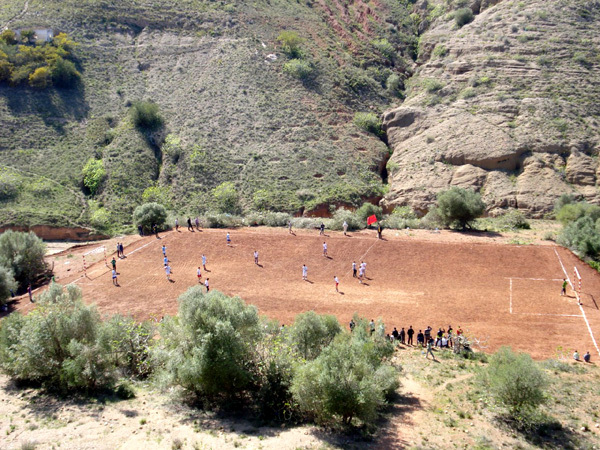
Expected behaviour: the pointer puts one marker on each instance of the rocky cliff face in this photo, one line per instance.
(506, 105)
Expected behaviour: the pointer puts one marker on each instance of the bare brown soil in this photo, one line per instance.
(499, 294)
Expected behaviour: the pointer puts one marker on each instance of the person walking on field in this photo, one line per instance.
(354, 269)
(337, 283)
(430, 349)
(228, 238)
(206, 285)
(563, 291)
(189, 222)
(361, 274)
(165, 261)
(345, 226)
(204, 262)
(114, 264)
(176, 224)
(199, 274)
(304, 272)
(168, 272)
(256, 257)
(290, 227)
(325, 249)
(197, 221)
(30, 293)
(164, 250)
(118, 250)
(379, 232)
(114, 277)
(121, 250)
(410, 334)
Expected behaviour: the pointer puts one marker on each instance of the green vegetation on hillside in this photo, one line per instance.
(39, 64)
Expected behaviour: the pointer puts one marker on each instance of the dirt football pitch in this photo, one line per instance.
(499, 294)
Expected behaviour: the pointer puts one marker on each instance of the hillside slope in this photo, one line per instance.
(231, 112)
(506, 105)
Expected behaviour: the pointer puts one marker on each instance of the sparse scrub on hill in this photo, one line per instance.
(299, 69)
(146, 116)
(23, 253)
(384, 47)
(459, 207)
(227, 198)
(158, 194)
(150, 214)
(463, 16)
(516, 383)
(93, 175)
(343, 215)
(290, 43)
(368, 122)
(394, 85)
(7, 284)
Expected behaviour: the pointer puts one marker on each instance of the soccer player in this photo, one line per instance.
(256, 257)
(206, 285)
(337, 283)
(563, 291)
(228, 238)
(199, 274)
(325, 249)
(164, 250)
(354, 269)
(204, 262)
(114, 277)
(168, 272)
(304, 272)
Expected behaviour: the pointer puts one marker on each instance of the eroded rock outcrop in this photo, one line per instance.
(505, 106)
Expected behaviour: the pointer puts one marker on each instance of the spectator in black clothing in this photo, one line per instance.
(189, 221)
(402, 335)
(420, 338)
(395, 334)
(438, 341)
(410, 333)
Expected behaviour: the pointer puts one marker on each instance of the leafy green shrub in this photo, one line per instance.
(513, 220)
(440, 51)
(385, 48)
(581, 236)
(515, 382)
(310, 333)
(299, 69)
(128, 345)
(23, 253)
(64, 73)
(8, 37)
(582, 59)
(9, 189)
(468, 93)
(346, 381)
(290, 43)
(343, 215)
(368, 122)
(564, 199)
(207, 348)
(463, 16)
(222, 221)
(93, 174)
(573, 211)
(101, 219)
(366, 210)
(274, 219)
(432, 219)
(394, 85)
(150, 214)
(157, 194)
(146, 116)
(7, 284)
(40, 78)
(459, 207)
(55, 344)
(432, 85)
(227, 198)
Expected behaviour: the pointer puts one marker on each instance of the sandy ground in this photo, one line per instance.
(499, 293)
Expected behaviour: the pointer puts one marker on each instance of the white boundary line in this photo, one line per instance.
(579, 302)
(535, 279)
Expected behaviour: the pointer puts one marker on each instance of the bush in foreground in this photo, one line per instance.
(368, 122)
(347, 381)
(7, 284)
(146, 116)
(463, 16)
(56, 343)
(516, 383)
(23, 253)
(207, 347)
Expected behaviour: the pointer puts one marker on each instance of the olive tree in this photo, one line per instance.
(459, 207)
(7, 284)
(23, 253)
(150, 214)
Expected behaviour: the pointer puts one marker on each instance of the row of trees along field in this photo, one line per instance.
(218, 351)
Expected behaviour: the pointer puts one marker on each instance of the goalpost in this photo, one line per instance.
(99, 250)
(577, 284)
